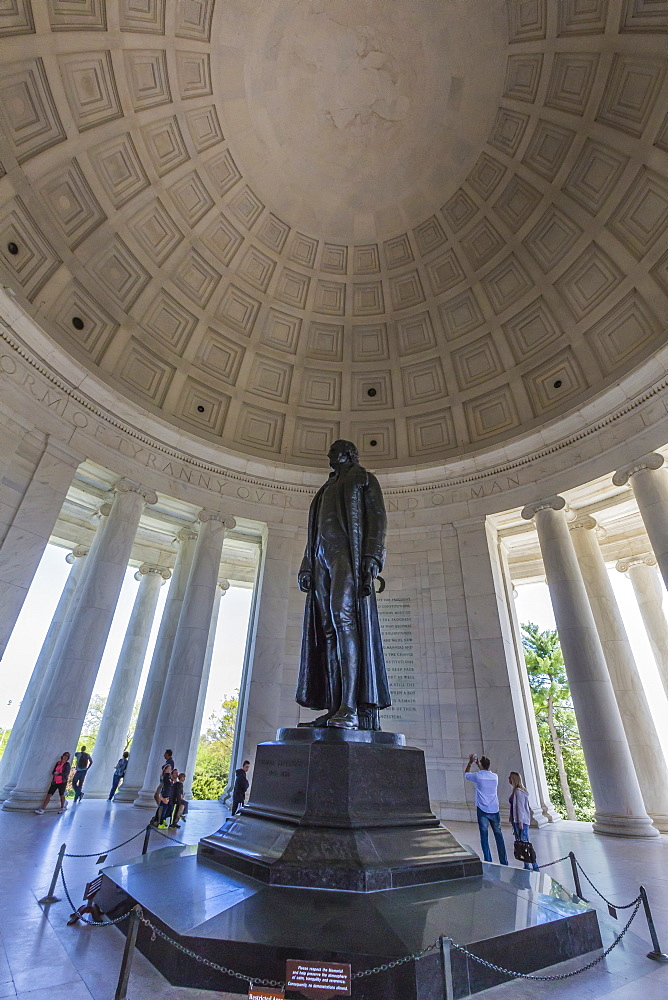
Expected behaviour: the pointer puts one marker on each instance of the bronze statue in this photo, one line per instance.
(342, 667)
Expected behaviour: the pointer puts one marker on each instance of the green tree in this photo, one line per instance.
(214, 753)
(565, 766)
(91, 725)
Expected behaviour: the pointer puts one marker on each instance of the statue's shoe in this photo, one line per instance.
(319, 723)
(344, 720)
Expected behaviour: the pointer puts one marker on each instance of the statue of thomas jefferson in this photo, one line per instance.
(342, 667)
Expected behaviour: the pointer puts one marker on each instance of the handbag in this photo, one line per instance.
(523, 851)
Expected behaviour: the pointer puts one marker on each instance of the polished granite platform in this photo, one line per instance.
(339, 809)
(507, 915)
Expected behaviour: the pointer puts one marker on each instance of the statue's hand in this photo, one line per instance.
(370, 567)
(304, 579)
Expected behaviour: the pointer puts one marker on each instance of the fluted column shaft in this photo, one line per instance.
(157, 674)
(649, 594)
(176, 716)
(15, 743)
(641, 734)
(61, 707)
(31, 527)
(223, 586)
(648, 479)
(110, 742)
(619, 805)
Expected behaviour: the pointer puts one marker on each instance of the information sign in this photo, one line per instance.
(322, 980)
(265, 993)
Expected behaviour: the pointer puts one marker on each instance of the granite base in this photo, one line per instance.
(522, 920)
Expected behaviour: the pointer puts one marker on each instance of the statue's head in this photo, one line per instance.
(342, 451)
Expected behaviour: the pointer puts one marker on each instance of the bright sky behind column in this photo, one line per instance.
(40, 605)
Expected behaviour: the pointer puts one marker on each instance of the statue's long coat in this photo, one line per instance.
(362, 515)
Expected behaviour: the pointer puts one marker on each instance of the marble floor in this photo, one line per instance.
(41, 958)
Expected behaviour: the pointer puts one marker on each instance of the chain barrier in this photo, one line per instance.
(548, 864)
(162, 833)
(98, 854)
(615, 906)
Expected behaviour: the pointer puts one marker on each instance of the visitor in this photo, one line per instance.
(182, 814)
(83, 762)
(168, 767)
(59, 776)
(119, 774)
(487, 806)
(166, 798)
(520, 814)
(177, 801)
(240, 786)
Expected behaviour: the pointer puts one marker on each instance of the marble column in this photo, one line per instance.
(61, 707)
(223, 587)
(649, 762)
(157, 674)
(259, 714)
(176, 716)
(20, 727)
(648, 478)
(649, 593)
(112, 736)
(30, 529)
(619, 806)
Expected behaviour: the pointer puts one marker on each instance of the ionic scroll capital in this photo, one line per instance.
(77, 553)
(147, 568)
(216, 515)
(129, 486)
(187, 534)
(624, 565)
(653, 462)
(224, 586)
(549, 503)
(583, 521)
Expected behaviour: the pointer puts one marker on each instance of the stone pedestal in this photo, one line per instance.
(337, 809)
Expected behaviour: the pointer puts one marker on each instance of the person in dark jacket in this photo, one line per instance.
(240, 786)
(119, 774)
(166, 798)
(83, 762)
(59, 776)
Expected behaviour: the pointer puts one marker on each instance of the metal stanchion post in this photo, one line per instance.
(147, 836)
(576, 875)
(129, 950)
(446, 958)
(50, 898)
(656, 954)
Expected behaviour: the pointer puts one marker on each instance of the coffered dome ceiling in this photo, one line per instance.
(425, 225)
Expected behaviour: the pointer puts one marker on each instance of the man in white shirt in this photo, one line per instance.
(487, 806)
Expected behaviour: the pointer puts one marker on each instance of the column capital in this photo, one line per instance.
(186, 534)
(624, 565)
(549, 503)
(217, 515)
(146, 568)
(129, 486)
(77, 553)
(224, 586)
(585, 521)
(653, 462)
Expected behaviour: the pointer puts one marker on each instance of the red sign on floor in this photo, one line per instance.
(265, 993)
(322, 980)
